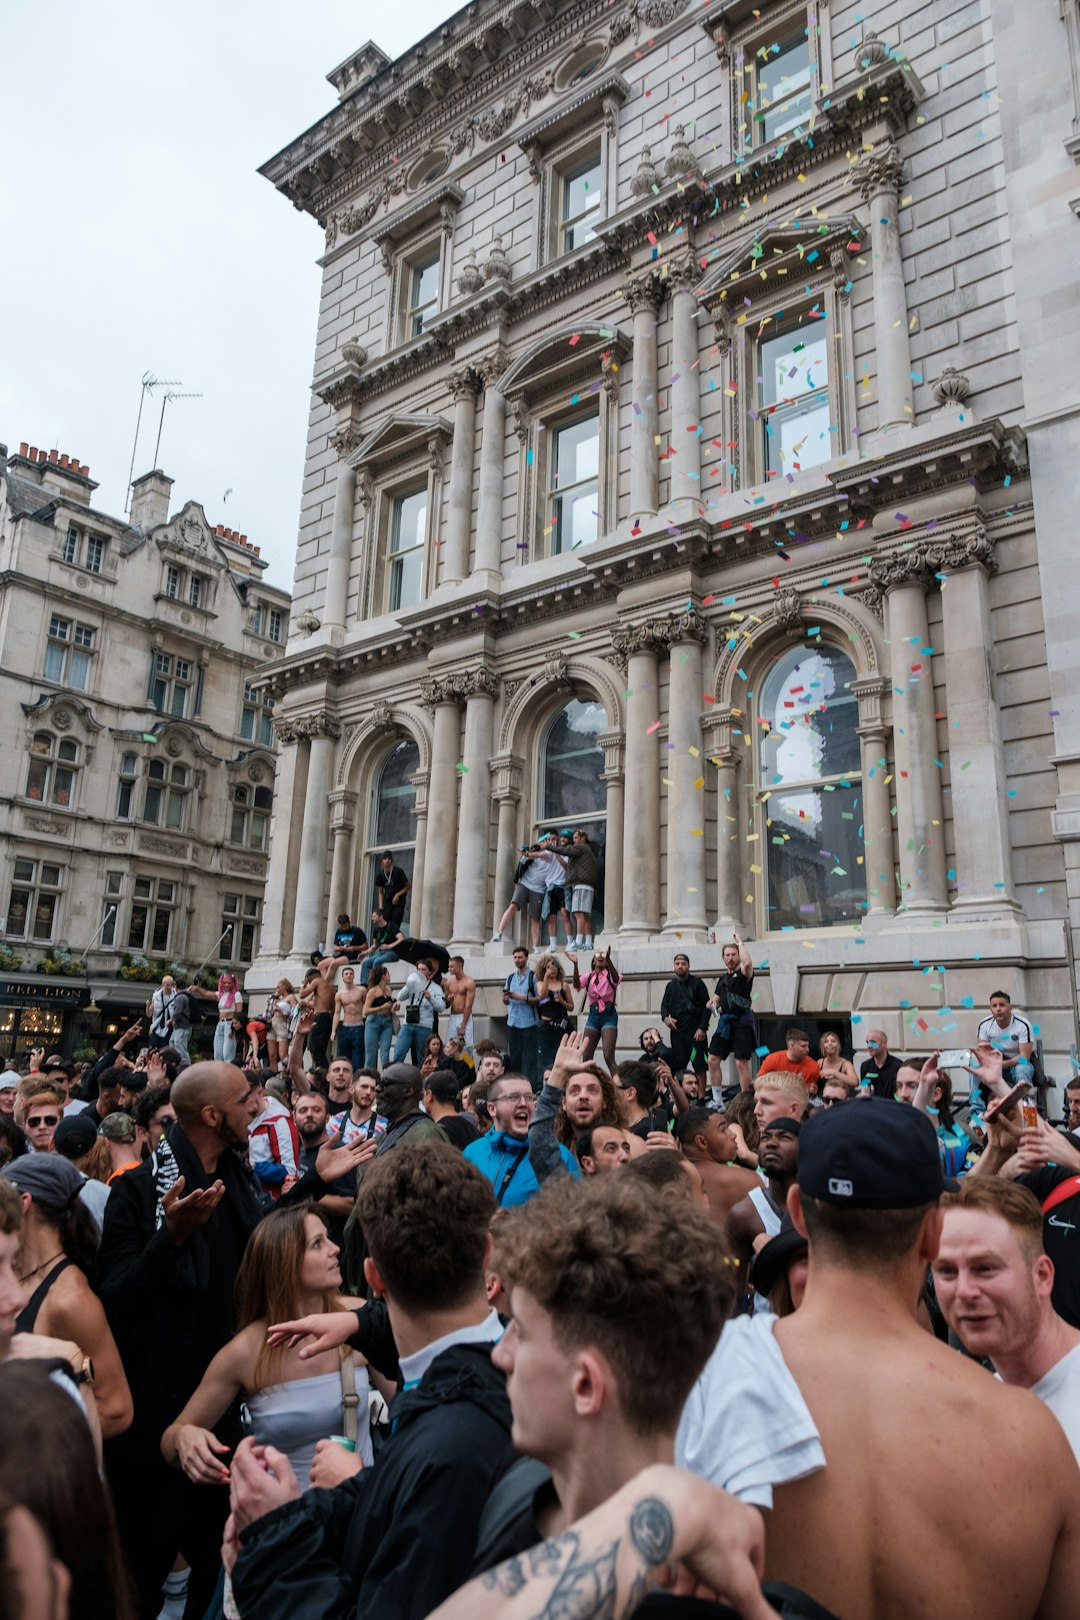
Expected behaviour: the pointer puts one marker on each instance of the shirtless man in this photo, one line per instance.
(762, 1209)
(708, 1144)
(460, 992)
(893, 1406)
(348, 1024)
(317, 992)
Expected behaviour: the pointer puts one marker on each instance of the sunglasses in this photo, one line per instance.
(43, 1119)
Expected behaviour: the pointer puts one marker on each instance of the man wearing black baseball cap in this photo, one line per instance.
(906, 1424)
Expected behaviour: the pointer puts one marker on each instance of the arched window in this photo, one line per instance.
(53, 774)
(572, 788)
(810, 790)
(391, 824)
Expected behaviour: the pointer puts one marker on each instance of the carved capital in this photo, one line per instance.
(435, 454)
(974, 550)
(609, 371)
(881, 170)
(556, 672)
(346, 439)
(481, 682)
(507, 772)
(382, 717)
(491, 366)
(870, 693)
(788, 610)
(320, 724)
(651, 637)
(437, 689)
(684, 273)
(644, 292)
(285, 731)
(342, 803)
(902, 568)
(716, 726)
(464, 383)
(688, 626)
(519, 410)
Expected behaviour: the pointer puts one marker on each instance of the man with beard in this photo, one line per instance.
(397, 1100)
(576, 1095)
(174, 1235)
(685, 1011)
(653, 1049)
(762, 1209)
(311, 1118)
(710, 1146)
(503, 1156)
(600, 1148)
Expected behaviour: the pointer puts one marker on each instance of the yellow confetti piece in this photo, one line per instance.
(756, 870)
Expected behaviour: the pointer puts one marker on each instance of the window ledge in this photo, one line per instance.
(442, 204)
(560, 120)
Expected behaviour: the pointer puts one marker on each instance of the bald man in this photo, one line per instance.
(174, 1235)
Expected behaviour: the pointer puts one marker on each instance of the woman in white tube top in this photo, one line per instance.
(290, 1269)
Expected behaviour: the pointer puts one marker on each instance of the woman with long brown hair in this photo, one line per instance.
(290, 1269)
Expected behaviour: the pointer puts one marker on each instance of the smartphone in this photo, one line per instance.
(1002, 1105)
(957, 1057)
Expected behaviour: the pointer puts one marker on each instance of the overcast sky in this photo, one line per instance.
(136, 235)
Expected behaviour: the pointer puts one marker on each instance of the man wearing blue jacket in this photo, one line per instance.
(503, 1155)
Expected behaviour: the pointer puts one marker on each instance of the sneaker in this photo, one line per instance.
(586, 944)
(496, 939)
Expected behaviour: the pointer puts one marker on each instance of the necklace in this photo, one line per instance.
(26, 1275)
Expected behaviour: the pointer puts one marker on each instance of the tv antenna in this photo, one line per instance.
(171, 394)
(148, 384)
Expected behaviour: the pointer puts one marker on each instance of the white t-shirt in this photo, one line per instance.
(1007, 1041)
(1060, 1389)
(745, 1426)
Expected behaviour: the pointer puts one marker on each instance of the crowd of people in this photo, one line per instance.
(403, 1323)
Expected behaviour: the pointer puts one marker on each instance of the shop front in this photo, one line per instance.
(36, 1010)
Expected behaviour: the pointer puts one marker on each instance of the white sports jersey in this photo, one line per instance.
(1007, 1041)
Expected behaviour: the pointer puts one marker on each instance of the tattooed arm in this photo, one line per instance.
(602, 1567)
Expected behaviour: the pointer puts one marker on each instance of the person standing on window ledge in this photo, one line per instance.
(391, 891)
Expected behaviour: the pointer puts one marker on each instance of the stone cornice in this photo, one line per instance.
(930, 460)
(551, 123)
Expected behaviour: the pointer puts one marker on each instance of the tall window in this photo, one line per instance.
(172, 582)
(95, 553)
(795, 409)
(579, 193)
(196, 590)
(391, 823)
(572, 788)
(152, 911)
(33, 901)
(408, 528)
(71, 545)
(53, 776)
(165, 799)
(240, 917)
(257, 716)
(171, 684)
(273, 628)
(250, 821)
(573, 494)
(783, 96)
(129, 768)
(809, 790)
(110, 911)
(69, 653)
(423, 293)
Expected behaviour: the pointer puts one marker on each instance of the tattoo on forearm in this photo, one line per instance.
(652, 1531)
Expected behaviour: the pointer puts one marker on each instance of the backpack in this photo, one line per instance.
(521, 868)
(533, 991)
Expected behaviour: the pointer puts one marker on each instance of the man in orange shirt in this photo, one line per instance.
(795, 1059)
(119, 1132)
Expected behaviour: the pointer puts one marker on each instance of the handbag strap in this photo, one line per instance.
(350, 1400)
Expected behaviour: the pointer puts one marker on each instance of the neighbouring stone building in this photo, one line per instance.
(140, 762)
(692, 443)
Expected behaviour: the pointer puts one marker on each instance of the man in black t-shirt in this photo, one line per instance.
(349, 939)
(685, 1011)
(391, 891)
(441, 1099)
(734, 1033)
(881, 1067)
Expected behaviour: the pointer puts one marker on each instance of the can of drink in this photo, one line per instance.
(340, 1440)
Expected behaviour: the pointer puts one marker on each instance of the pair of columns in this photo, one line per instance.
(641, 645)
(465, 386)
(980, 817)
(456, 846)
(644, 295)
(293, 918)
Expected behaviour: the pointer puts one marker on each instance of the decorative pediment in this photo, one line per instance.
(178, 738)
(189, 534)
(790, 252)
(257, 765)
(554, 359)
(61, 711)
(398, 435)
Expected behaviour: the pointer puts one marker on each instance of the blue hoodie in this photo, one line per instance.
(495, 1156)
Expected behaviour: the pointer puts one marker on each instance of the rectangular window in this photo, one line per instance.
(110, 912)
(152, 912)
(573, 495)
(195, 590)
(68, 653)
(172, 582)
(257, 620)
(171, 684)
(423, 293)
(580, 198)
(95, 553)
(257, 717)
(33, 901)
(274, 627)
(794, 399)
(240, 916)
(408, 529)
(783, 96)
(71, 546)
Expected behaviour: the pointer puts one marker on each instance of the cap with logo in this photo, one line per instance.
(878, 1155)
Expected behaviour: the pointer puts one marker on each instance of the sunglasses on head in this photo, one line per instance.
(43, 1119)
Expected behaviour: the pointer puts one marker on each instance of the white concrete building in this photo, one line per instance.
(693, 428)
(137, 798)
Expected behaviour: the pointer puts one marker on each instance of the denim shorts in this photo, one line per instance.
(608, 1019)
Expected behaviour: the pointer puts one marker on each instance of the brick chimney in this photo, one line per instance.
(150, 501)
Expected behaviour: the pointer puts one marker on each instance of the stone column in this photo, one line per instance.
(612, 744)
(686, 773)
(344, 441)
(879, 176)
(877, 821)
(644, 295)
(685, 483)
(441, 695)
(279, 877)
(342, 827)
(507, 771)
(729, 825)
(464, 385)
(492, 448)
(480, 688)
(323, 729)
(919, 812)
(638, 644)
(420, 814)
(980, 794)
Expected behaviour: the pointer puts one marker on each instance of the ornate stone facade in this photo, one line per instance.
(755, 535)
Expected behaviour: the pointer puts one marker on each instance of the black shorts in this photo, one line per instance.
(556, 898)
(741, 1043)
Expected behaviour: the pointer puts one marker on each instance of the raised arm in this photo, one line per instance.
(746, 965)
